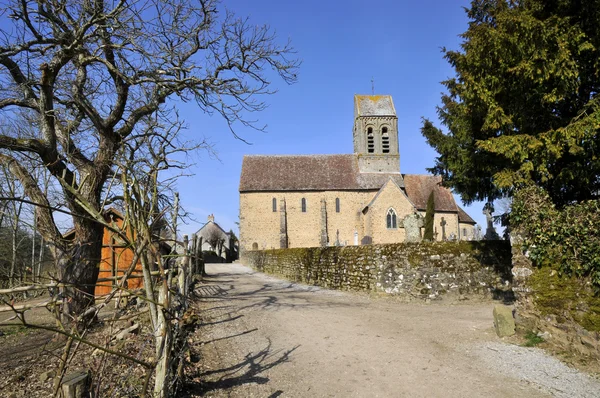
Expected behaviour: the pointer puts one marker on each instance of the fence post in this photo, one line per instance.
(183, 267)
(194, 255)
(201, 257)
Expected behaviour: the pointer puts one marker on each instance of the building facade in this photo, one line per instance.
(359, 198)
(216, 239)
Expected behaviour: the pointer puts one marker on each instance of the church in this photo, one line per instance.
(361, 198)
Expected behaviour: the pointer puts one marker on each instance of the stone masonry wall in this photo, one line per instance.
(563, 309)
(428, 271)
(260, 225)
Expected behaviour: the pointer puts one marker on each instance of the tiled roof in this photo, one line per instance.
(464, 217)
(374, 105)
(418, 188)
(309, 173)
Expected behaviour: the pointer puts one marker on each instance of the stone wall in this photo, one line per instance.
(564, 310)
(428, 271)
(260, 225)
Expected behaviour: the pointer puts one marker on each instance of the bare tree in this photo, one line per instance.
(86, 73)
(214, 237)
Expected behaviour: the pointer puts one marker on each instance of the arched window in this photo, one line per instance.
(385, 140)
(274, 205)
(370, 140)
(255, 246)
(337, 205)
(303, 205)
(391, 219)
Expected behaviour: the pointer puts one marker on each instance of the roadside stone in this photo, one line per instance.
(125, 332)
(47, 375)
(504, 322)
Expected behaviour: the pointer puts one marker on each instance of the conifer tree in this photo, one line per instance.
(524, 105)
(429, 214)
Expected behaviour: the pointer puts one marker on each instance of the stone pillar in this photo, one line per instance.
(324, 237)
(283, 236)
(522, 268)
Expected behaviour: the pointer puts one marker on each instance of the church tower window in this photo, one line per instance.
(370, 140)
(391, 219)
(303, 205)
(337, 205)
(385, 140)
(274, 205)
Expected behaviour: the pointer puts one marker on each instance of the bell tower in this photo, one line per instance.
(376, 134)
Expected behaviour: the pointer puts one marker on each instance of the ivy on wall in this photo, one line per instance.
(566, 239)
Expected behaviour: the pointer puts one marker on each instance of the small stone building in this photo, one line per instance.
(215, 239)
(360, 198)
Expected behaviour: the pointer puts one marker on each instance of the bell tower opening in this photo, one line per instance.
(376, 134)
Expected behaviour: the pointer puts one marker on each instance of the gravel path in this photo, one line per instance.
(265, 337)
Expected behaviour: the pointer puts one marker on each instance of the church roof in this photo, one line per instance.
(464, 217)
(374, 105)
(309, 173)
(419, 186)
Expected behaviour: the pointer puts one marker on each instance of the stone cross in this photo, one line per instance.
(443, 225)
(412, 225)
(490, 232)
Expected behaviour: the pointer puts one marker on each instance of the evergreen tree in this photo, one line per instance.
(429, 215)
(523, 107)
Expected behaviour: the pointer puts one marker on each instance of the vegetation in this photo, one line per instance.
(566, 240)
(532, 339)
(523, 107)
(80, 82)
(429, 214)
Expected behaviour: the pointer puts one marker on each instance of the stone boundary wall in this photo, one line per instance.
(426, 271)
(556, 307)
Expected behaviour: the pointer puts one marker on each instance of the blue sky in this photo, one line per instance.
(343, 45)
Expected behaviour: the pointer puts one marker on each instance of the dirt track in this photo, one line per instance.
(265, 337)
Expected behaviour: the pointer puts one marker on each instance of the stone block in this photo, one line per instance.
(504, 322)
(76, 384)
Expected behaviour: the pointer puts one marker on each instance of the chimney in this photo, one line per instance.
(211, 217)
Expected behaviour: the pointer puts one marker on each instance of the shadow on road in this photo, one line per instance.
(229, 288)
(246, 371)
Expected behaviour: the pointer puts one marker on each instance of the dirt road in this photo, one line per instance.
(265, 337)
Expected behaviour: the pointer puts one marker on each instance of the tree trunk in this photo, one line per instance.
(41, 259)
(13, 260)
(79, 266)
(33, 280)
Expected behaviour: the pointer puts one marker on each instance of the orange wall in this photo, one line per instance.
(116, 260)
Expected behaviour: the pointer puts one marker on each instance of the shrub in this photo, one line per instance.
(566, 239)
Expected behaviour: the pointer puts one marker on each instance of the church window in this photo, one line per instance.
(385, 140)
(464, 232)
(337, 205)
(391, 219)
(274, 205)
(255, 246)
(370, 140)
(303, 205)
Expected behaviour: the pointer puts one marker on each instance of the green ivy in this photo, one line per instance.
(566, 239)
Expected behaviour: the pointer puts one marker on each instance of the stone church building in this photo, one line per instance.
(360, 198)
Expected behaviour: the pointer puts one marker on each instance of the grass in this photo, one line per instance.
(532, 339)
(9, 330)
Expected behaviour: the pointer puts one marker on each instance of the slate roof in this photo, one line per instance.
(374, 105)
(309, 173)
(464, 217)
(419, 186)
